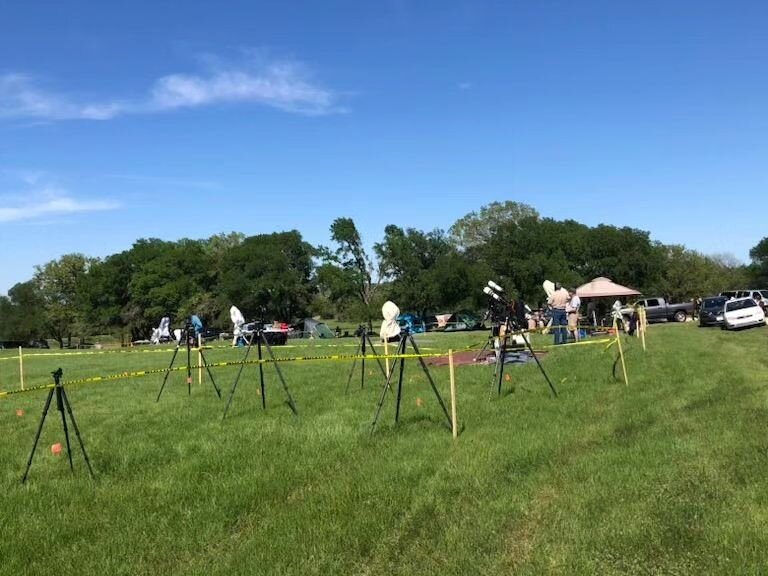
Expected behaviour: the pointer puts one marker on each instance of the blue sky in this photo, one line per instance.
(122, 120)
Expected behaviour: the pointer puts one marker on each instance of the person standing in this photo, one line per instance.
(558, 301)
(572, 311)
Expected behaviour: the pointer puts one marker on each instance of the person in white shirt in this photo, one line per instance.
(558, 302)
(572, 311)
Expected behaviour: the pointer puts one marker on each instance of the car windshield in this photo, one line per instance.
(713, 303)
(763, 293)
(739, 304)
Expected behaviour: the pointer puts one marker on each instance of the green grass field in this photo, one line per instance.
(665, 476)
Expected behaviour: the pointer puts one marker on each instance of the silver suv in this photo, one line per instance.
(754, 294)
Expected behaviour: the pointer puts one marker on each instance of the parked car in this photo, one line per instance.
(209, 334)
(741, 313)
(659, 310)
(753, 293)
(711, 311)
(464, 320)
(273, 337)
(14, 344)
(430, 322)
(412, 322)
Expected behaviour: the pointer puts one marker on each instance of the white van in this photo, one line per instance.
(754, 294)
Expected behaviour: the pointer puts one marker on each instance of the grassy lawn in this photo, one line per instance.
(664, 476)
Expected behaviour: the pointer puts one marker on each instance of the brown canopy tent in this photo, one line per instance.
(604, 288)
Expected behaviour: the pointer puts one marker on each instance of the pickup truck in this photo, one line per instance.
(659, 310)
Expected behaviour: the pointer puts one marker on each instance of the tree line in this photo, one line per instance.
(287, 278)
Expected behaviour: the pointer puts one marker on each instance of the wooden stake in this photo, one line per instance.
(621, 352)
(454, 422)
(21, 368)
(642, 326)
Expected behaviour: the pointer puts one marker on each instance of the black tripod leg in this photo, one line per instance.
(381, 403)
(37, 435)
(60, 404)
(544, 372)
(261, 376)
(280, 376)
(432, 382)
(401, 351)
(210, 374)
(167, 373)
(381, 367)
(77, 431)
(615, 368)
(354, 363)
(500, 360)
(483, 349)
(237, 378)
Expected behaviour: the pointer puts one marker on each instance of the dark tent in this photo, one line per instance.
(316, 329)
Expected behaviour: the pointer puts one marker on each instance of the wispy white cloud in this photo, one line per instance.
(21, 97)
(283, 85)
(40, 199)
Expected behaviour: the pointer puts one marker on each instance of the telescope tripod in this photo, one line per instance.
(498, 372)
(260, 340)
(489, 345)
(365, 339)
(188, 337)
(62, 402)
(405, 339)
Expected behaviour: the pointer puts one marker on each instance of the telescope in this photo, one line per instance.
(494, 286)
(487, 290)
(508, 317)
(498, 305)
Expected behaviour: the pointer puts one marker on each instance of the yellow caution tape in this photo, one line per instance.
(581, 343)
(166, 350)
(143, 373)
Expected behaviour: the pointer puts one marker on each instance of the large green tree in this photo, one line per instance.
(107, 292)
(269, 271)
(688, 274)
(61, 286)
(348, 272)
(165, 277)
(525, 253)
(759, 268)
(478, 227)
(22, 317)
(427, 273)
(625, 255)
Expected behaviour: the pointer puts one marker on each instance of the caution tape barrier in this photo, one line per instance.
(143, 373)
(331, 357)
(580, 343)
(162, 351)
